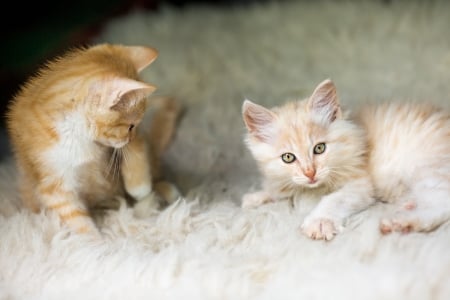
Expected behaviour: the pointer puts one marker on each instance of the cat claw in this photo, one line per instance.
(319, 229)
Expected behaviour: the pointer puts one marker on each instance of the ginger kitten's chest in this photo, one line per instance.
(99, 181)
(84, 165)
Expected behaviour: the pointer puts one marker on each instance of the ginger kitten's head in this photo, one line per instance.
(115, 99)
(306, 143)
(98, 88)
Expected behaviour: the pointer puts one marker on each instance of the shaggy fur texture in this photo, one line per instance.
(205, 246)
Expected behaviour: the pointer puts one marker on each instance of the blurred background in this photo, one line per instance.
(214, 54)
(36, 31)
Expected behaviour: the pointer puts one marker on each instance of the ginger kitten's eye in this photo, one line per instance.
(288, 157)
(131, 127)
(319, 148)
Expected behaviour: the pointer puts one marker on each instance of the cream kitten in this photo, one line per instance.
(392, 153)
(74, 132)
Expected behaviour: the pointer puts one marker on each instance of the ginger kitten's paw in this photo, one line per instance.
(252, 200)
(319, 229)
(168, 191)
(147, 206)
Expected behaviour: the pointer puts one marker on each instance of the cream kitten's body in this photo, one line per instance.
(409, 162)
(73, 128)
(395, 153)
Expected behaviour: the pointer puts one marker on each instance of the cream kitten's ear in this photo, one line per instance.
(324, 102)
(141, 56)
(258, 120)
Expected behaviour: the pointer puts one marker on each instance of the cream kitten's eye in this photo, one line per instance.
(319, 148)
(288, 157)
(131, 127)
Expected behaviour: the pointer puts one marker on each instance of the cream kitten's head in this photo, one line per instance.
(107, 90)
(306, 143)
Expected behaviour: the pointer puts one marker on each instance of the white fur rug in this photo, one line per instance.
(205, 246)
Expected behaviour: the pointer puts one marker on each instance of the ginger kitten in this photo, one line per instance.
(74, 132)
(391, 152)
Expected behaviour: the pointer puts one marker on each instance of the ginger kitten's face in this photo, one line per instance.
(115, 100)
(113, 122)
(299, 143)
(116, 129)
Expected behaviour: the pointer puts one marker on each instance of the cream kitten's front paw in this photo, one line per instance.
(319, 229)
(252, 200)
(147, 206)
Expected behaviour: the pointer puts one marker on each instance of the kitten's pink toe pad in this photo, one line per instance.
(319, 229)
(401, 224)
(385, 226)
(410, 205)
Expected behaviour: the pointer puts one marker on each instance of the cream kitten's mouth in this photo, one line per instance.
(313, 183)
(310, 183)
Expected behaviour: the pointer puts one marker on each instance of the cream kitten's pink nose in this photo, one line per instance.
(310, 173)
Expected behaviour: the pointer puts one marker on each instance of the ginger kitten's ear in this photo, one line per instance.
(141, 56)
(324, 102)
(258, 120)
(118, 93)
(129, 92)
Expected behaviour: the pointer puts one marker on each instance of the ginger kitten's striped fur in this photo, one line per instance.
(73, 128)
(393, 152)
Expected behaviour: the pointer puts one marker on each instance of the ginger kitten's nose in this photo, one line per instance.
(310, 173)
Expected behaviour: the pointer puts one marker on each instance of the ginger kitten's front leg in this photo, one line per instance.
(326, 219)
(137, 177)
(71, 210)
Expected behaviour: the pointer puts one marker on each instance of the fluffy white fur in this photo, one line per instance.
(205, 246)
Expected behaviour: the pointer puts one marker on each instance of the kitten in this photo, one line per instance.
(74, 133)
(391, 152)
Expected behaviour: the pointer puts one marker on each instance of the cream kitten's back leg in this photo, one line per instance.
(425, 208)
